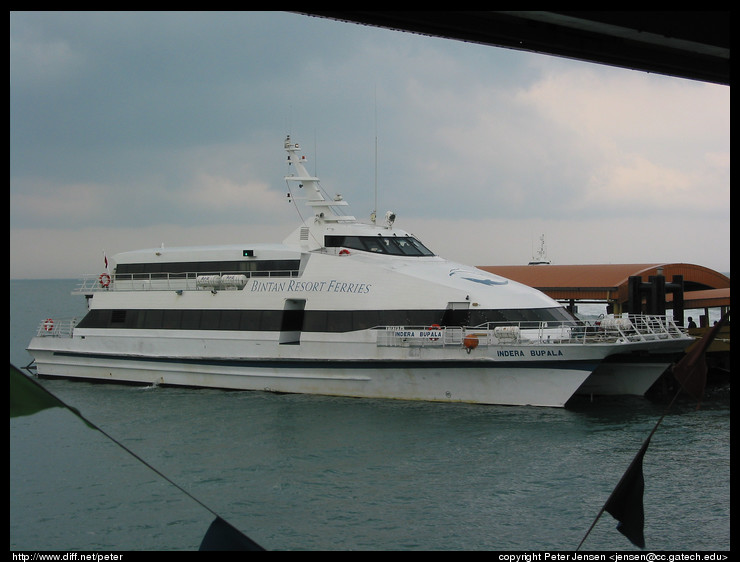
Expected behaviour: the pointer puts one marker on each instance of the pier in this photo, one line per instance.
(627, 288)
(638, 289)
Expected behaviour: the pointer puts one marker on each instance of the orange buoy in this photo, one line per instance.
(470, 343)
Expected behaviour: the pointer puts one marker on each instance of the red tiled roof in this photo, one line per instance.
(609, 281)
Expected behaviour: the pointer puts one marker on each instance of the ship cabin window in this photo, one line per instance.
(394, 245)
(191, 269)
(295, 318)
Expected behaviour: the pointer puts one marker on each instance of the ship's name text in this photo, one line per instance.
(293, 286)
(532, 353)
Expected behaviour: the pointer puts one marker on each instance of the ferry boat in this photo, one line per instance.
(347, 308)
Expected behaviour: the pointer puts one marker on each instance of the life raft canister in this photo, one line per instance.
(104, 280)
(48, 324)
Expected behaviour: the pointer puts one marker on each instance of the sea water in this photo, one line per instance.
(298, 472)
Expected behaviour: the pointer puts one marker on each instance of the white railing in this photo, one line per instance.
(625, 329)
(634, 328)
(641, 327)
(418, 336)
(190, 281)
(57, 327)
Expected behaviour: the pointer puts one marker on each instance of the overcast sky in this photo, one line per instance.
(129, 130)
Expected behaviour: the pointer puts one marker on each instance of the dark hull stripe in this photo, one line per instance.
(341, 364)
(334, 321)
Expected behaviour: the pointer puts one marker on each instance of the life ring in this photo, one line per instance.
(344, 252)
(104, 280)
(434, 327)
(48, 324)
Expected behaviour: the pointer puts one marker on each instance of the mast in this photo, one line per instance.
(541, 258)
(323, 209)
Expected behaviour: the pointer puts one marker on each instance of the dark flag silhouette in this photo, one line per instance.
(625, 503)
(28, 397)
(222, 536)
(691, 371)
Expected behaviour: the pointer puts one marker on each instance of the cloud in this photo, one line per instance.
(637, 185)
(173, 122)
(644, 139)
(40, 203)
(43, 62)
(219, 196)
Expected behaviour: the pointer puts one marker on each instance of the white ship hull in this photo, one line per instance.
(505, 385)
(339, 308)
(483, 381)
(623, 378)
(371, 364)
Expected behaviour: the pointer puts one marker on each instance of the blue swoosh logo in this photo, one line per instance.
(481, 280)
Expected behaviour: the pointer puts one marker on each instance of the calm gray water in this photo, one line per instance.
(316, 473)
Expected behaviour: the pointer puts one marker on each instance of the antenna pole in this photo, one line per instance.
(375, 206)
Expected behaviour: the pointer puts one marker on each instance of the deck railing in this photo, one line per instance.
(188, 281)
(625, 329)
(57, 327)
(632, 328)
